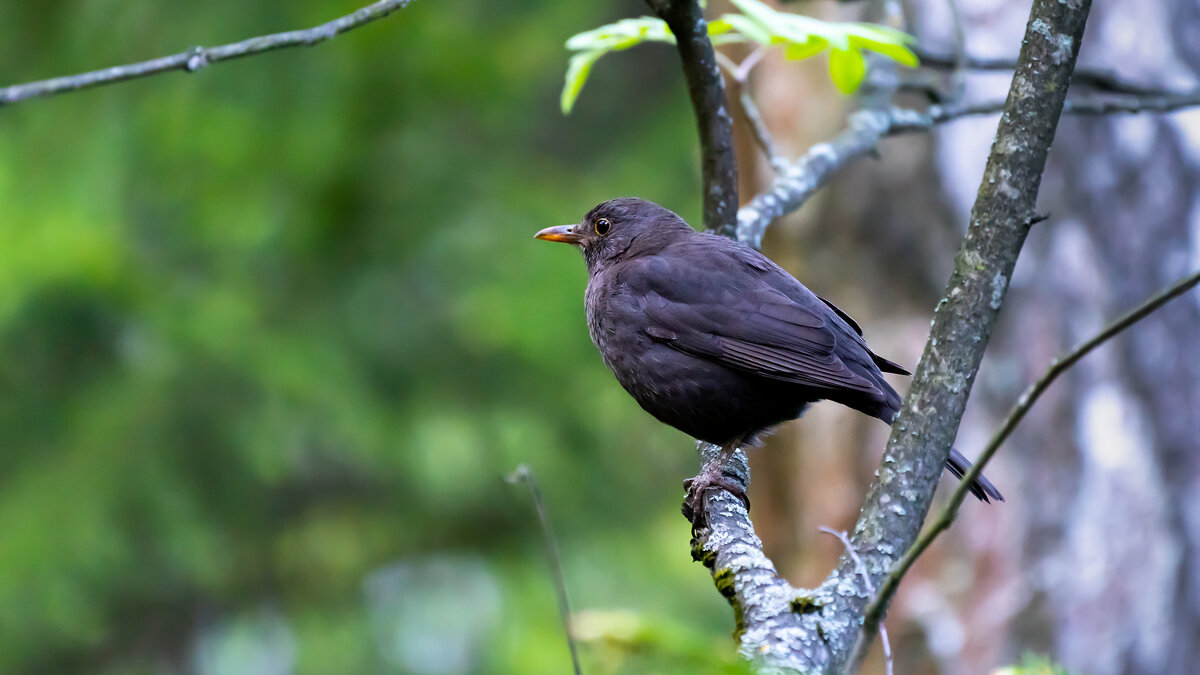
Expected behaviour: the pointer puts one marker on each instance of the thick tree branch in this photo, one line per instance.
(197, 58)
(685, 18)
(774, 619)
(862, 571)
(924, 430)
(1022, 406)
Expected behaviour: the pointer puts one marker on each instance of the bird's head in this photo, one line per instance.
(620, 229)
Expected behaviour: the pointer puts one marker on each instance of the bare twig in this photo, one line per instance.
(1159, 102)
(762, 135)
(740, 72)
(1093, 78)
(685, 18)
(523, 474)
(197, 58)
(862, 572)
(1022, 406)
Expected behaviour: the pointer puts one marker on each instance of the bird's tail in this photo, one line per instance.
(981, 487)
(888, 404)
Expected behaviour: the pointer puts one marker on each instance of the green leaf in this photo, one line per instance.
(837, 36)
(882, 33)
(746, 26)
(883, 40)
(798, 50)
(577, 73)
(756, 10)
(898, 53)
(783, 27)
(719, 26)
(622, 34)
(847, 69)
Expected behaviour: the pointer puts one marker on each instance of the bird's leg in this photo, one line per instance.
(711, 476)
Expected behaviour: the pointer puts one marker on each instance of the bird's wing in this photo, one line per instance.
(732, 316)
(884, 364)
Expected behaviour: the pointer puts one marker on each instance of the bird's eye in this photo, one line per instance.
(603, 226)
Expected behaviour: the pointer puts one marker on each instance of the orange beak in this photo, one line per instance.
(563, 233)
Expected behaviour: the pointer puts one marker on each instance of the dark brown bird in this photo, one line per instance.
(714, 339)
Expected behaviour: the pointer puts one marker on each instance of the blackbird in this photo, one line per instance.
(714, 339)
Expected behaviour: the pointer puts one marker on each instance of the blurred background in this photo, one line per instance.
(273, 334)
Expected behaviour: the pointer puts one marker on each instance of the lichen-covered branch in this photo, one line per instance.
(924, 430)
(685, 18)
(776, 622)
(197, 58)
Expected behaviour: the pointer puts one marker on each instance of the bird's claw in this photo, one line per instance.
(694, 505)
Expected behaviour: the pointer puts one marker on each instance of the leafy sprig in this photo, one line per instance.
(800, 37)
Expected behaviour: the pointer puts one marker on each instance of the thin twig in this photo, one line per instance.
(524, 474)
(725, 62)
(762, 135)
(1158, 102)
(740, 72)
(862, 571)
(197, 58)
(1093, 78)
(1022, 406)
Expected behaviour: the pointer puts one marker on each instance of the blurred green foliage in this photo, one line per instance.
(1033, 664)
(271, 334)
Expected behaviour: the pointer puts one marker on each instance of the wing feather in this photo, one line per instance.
(705, 303)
